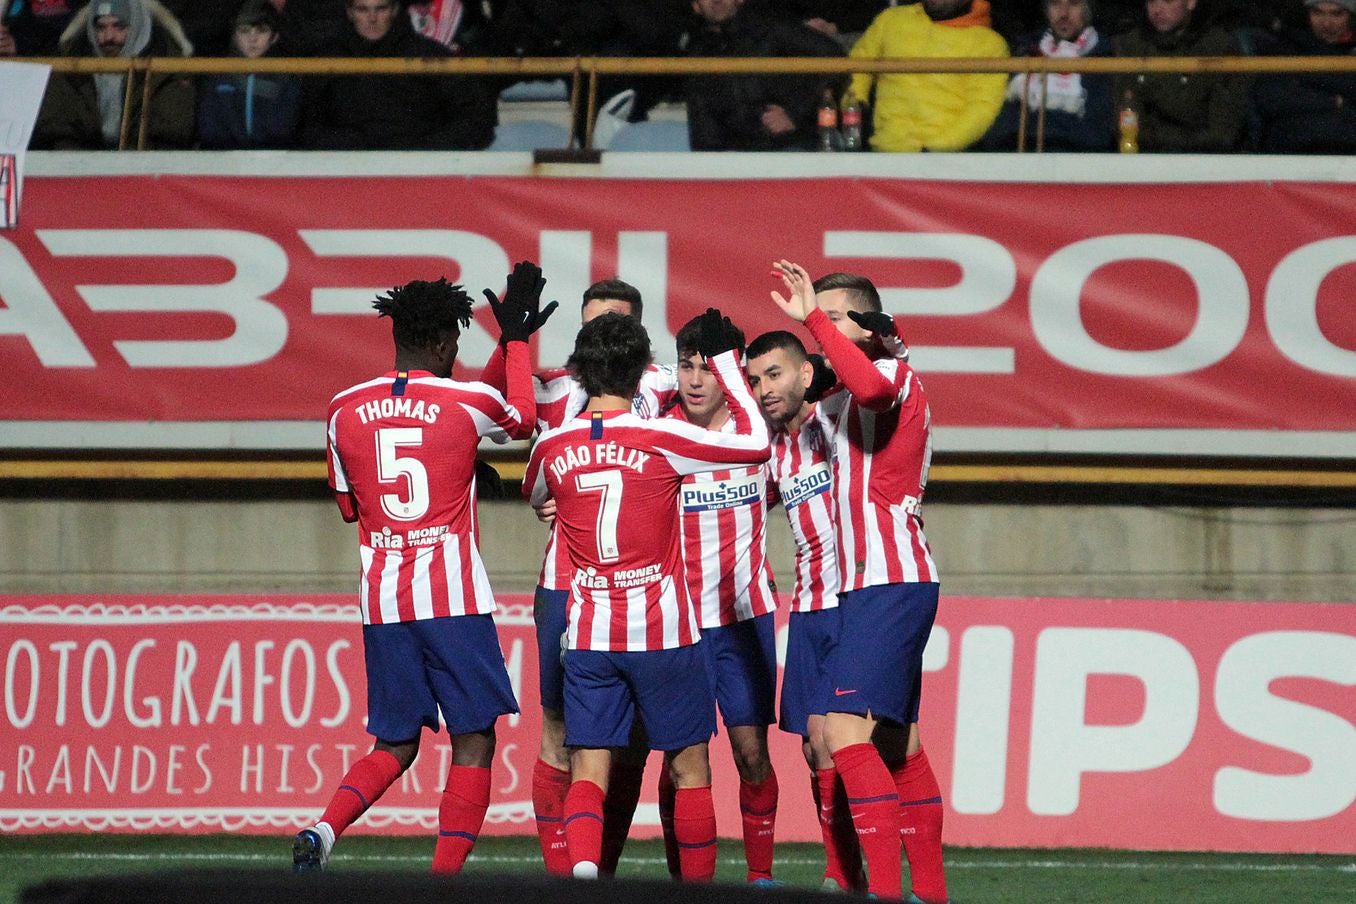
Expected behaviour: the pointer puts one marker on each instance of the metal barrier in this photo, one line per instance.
(583, 72)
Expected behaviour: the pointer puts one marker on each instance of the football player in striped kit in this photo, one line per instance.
(401, 454)
(880, 428)
(724, 535)
(632, 639)
(560, 397)
(783, 379)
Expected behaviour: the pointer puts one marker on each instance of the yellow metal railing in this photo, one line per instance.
(584, 72)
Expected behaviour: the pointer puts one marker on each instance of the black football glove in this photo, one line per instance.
(520, 314)
(823, 380)
(716, 334)
(878, 322)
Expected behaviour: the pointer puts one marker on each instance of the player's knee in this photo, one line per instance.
(403, 751)
(474, 748)
(751, 758)
(690, 767)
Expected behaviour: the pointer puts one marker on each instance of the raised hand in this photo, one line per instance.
(520, 314)
(878, 322)
(799, 288)
(716, 334)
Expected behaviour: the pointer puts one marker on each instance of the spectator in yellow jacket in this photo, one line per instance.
(931, 111)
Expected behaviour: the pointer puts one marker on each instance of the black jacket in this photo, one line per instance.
(724, 113)
(394, 112)
(1306, 113)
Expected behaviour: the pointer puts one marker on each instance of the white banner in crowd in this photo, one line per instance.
(22, 86)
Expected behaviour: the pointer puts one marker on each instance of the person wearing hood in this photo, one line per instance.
(931, 111)
(1311, 112)
(1080, 112)
(1182, 112)
(392, 112)
(85, 112)
(256, 109)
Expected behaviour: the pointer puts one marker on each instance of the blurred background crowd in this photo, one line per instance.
(1176, 112)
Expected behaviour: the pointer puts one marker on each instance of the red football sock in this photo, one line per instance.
(366, 781)
(874, 805)
(584, 822)
(920, 816)
(758, 808)
(549, 786)
(842, 853)
(694, 829)
(667, 790)
(460, 816)
(623, 794)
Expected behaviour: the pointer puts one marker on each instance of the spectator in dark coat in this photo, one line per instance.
(254, 110)
(1311, 113)
(1184, 112)
(753, 113)
(392, 112)
(86, 111)
(1080, 111)
(34, 26)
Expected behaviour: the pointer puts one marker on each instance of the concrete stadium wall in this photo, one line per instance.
(301, 546)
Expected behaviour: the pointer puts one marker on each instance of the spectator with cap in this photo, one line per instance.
(1080, 111)
(392, 112)
(1182, 112)
(256, 109)
(1311, 112)
(86, 111)
(931, 111)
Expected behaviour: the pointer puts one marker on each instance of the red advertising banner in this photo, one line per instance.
(1044, 315)
(1109, 723)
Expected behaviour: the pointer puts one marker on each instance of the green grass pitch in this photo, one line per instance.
(975, 876)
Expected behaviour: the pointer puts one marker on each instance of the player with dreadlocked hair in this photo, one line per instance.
(402, 451)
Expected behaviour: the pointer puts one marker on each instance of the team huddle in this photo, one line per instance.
(655, 603)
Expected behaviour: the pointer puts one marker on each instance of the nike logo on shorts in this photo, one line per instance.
(839, 692)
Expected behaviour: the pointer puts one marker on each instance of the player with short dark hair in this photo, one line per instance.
(724, 535)
(632, 632)
(880, 427)
(560, 397)
(783, 379)
(612, 290)
(401, 454)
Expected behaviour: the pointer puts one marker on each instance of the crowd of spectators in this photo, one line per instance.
(1176, 112)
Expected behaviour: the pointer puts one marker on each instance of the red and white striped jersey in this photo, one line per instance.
(724, 536)
(615, 478)
(802, 480)
(881, 431)
(559, 398)
(404, 446)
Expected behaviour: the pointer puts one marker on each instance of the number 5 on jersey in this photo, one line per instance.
(391, 467)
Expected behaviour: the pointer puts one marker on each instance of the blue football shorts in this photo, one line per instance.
(877, 667)
(415, 668)
(668, 690)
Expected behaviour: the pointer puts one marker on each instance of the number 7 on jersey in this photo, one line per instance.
(609, 485)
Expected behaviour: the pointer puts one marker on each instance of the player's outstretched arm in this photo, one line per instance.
(868, 385)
